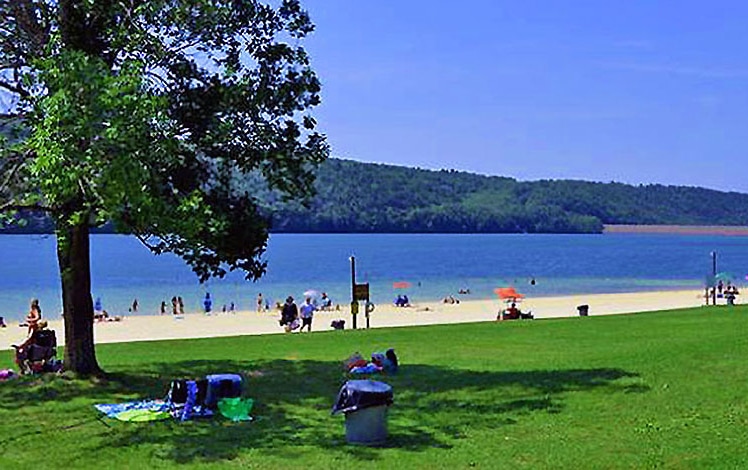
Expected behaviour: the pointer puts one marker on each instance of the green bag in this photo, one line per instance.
(236, 409)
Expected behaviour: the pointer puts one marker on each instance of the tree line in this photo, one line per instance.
(365, 197)
(355, 197)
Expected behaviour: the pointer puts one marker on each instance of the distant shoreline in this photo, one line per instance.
(679, 229)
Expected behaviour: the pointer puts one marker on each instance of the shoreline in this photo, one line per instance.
(245, 323)
(730, 230)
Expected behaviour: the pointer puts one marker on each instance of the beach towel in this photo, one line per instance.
(139, 416)
(112, 410)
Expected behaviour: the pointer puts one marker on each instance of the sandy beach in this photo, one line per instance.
(150, 328)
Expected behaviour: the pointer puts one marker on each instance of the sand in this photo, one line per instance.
(150, 328)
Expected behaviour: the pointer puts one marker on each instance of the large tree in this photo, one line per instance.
(155, 115)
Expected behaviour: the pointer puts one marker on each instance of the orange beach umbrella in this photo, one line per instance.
(400, 285)
(506, 293)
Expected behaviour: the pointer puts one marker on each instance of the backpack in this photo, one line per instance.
(187, 397)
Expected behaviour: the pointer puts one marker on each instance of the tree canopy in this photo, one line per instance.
(146, 113)
(364, 197)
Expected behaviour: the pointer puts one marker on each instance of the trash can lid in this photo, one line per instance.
(368, 386)
(359, 394)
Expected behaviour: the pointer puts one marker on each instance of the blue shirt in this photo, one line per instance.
(307, 310)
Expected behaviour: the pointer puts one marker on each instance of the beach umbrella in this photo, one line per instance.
(314, 294)
(508, 293)
(401, 285)
(724, 276)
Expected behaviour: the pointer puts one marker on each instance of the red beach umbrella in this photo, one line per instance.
(401, 285)
(508, 293)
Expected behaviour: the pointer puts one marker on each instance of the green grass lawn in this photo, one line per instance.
(665, 389)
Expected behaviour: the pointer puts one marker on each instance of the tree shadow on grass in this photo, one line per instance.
(434, 406)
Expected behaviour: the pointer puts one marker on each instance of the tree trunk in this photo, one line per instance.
(73, 255)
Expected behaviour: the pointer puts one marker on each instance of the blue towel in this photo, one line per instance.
(112, 410)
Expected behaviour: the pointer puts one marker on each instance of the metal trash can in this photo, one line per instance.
(584, 310)
(365, 404)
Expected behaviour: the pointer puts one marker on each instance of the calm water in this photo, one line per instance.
(436, 265)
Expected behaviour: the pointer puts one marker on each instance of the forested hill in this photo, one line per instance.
(366, 197)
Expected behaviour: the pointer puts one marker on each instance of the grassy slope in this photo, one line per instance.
(657, 389)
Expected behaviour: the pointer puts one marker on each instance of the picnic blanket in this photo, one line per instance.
(143, 410)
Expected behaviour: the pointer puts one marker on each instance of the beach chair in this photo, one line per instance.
(40, 355)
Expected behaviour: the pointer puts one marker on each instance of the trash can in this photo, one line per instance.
(584, 310)
(365, 404)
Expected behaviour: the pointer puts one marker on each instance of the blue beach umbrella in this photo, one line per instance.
(724, 277)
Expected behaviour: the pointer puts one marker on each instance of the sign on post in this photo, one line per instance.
(361, 291)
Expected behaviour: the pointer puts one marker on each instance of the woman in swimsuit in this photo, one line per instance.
(34, 316)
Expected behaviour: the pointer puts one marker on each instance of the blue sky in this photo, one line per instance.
(631, 91)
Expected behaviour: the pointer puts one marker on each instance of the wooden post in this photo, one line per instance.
(714, 274)
(354, 302)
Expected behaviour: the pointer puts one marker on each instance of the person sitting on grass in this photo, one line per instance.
(42, 325)
(22, 350)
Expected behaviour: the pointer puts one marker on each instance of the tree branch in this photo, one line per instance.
(15, 206)
(11, 115)
(14, 88)
(10, 176)
(144, 240)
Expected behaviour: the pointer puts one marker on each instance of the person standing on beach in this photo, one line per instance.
(134, 306)
(163, 307)
(207, 303)
(259, 302)
(307, 313)
(174, 306)
(34, 316)
(180, 305)
(289, 315)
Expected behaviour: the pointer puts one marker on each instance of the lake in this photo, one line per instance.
(436, 265)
